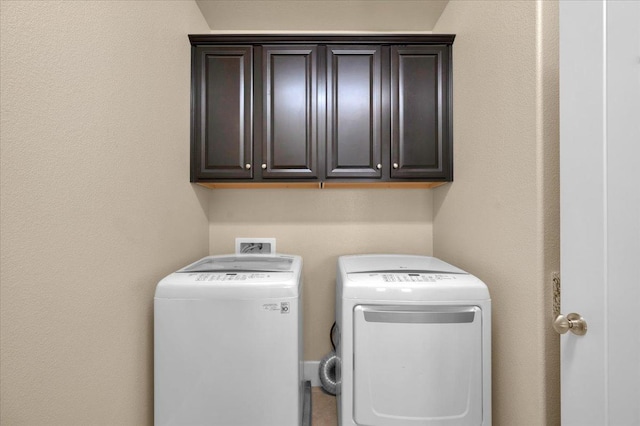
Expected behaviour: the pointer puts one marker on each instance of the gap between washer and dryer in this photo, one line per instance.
(323, 407)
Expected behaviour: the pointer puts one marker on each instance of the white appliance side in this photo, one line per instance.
(340, 326)
(300, 346)
(227, 362)
(487, 411)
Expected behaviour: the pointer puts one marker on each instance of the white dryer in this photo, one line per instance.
(414, 345)
(228, 343)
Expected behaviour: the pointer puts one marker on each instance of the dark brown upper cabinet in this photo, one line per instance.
(315, 108)
(354, 112)
(289, 115)
(222, 101)
(420, 113)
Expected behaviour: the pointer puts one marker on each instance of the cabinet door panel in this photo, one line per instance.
(290, 112)
(353, 112)
(420, 112)
(222, 139)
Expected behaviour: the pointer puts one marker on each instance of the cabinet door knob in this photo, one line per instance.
(379, 166)
(264, 166)
(247, 166)
(395, 165)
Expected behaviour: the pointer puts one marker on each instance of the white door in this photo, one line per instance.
(600, 210)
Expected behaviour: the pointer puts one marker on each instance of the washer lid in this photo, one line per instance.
(391, 263)
(245, 263)
(240, 277)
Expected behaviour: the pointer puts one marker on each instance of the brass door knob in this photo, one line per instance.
(572, 322)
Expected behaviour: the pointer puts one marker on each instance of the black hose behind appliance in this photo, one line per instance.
(329, 365)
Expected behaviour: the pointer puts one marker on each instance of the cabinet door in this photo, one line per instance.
(289, 140)
(353, 112)
(221, 113)
(420, 112)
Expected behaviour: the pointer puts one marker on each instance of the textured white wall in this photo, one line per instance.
(95, 202)
(499, 219)
(321, 225)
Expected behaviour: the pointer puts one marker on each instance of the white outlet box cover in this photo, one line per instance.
(241, 241)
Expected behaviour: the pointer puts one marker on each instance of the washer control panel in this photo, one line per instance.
(239, 277)
(394, 278)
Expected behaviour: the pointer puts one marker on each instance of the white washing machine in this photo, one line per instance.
(414, 345)
(228, 343)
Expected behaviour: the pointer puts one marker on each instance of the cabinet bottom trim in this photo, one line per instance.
(382, 185)
(320, 185)
(241, 185)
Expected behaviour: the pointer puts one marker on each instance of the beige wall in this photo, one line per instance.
(321, 15)
(95, 202)
(499, 219)
(94, 184)
(321, 225)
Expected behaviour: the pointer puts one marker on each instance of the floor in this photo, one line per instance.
(323, 408)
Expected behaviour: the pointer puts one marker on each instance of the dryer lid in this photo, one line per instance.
(241, 263)
(395, 263)
(406, 278)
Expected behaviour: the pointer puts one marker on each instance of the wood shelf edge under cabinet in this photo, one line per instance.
(250, 185)
(319, 185)
(383, 185)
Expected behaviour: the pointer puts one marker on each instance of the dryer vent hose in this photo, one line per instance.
(327, 372)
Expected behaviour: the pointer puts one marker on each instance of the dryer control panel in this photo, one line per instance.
(399, 277)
